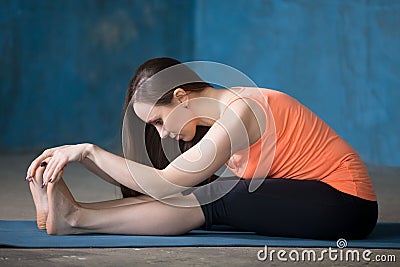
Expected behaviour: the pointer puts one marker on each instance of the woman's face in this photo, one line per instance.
(173, 120)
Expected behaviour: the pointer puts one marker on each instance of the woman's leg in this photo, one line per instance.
(66, 216)
(39, 196)
(116, 202)
(293, 208)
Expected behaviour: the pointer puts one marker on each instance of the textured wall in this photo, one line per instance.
(65, 65)
(339, 58)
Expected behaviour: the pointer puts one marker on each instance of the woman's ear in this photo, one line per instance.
(181, 95)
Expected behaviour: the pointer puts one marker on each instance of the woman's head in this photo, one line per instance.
(159, 88)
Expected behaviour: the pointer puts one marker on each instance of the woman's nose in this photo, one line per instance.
(163, 133)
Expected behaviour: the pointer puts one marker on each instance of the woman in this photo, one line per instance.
(314, 185)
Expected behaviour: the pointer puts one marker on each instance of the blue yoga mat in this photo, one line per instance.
(25, 234)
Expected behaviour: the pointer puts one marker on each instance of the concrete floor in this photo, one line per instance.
(17, 204)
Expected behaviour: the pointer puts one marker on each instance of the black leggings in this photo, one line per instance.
(293, 208)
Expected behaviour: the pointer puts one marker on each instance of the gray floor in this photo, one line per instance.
(17, 204)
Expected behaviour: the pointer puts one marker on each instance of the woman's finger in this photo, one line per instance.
(35, 163)
(59, 176)
(50, 166)
(54, 173)
(32, 166)
(39, 173)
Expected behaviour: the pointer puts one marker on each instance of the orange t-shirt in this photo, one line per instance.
(304, 147)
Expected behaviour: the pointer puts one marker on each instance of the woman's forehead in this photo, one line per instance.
(146, 111)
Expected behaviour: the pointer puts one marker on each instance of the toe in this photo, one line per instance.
(39, 173)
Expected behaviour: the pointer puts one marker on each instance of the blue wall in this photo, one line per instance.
(339, 58)
(65, 64)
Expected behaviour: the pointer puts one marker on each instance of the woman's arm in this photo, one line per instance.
(116, 168)
(99, 172)
(227, 135)
(190, 168)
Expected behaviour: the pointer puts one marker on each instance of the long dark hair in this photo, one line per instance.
(153, 145)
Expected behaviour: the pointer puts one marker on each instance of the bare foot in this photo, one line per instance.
(39, 195)
(63, 210)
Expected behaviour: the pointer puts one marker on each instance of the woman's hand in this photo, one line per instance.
(57, 158)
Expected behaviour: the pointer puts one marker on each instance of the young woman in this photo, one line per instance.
(312, 184)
